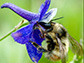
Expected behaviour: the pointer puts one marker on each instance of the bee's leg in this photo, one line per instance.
(46, 27)
(45, 32)
(42, 33)
(39, 48)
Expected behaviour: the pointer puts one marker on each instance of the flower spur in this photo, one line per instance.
(27, 33)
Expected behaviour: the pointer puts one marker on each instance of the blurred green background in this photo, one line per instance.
(13, 52)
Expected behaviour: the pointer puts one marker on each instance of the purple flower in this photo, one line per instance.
(27, 33)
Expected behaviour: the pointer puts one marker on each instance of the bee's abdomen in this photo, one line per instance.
(52, 56)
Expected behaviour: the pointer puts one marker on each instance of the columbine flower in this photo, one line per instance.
(27, 33)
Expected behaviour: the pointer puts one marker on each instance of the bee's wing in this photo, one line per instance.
(62, 50)
(75, 46)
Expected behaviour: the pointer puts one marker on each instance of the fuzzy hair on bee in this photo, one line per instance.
(58, 41)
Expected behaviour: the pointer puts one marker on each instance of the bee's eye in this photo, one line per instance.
(45, 25)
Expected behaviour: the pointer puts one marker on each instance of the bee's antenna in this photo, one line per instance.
(57, 18)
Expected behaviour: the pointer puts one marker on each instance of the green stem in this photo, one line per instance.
(21, 24)
(7, 34)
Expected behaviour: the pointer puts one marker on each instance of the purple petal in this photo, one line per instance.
(22, 36)
(41, 7)
(23, 13)
(36, 36)
(34, 54)
(44, 8)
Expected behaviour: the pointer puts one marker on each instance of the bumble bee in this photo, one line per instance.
(58, 41)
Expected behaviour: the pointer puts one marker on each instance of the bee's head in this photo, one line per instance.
(49, 24)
